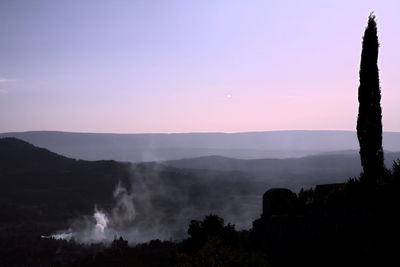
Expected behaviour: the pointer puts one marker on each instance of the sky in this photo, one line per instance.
(191, 66)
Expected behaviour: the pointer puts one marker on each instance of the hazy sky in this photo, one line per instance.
(191, 66)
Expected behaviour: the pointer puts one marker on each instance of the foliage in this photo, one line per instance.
(211, 243)
(369, 122)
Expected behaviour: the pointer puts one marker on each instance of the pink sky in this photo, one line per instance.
(181, 66)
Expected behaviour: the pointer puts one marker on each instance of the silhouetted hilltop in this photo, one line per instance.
(16, 154)
(40, 186)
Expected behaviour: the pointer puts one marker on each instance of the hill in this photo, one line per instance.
(49, 192)
(41, 187)
(345, 164)
(43, 192)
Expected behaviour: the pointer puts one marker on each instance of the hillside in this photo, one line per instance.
(18, 155)
(39, 186)
(43, 192)
(49, 191)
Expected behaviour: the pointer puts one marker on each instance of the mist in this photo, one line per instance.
(159, 202)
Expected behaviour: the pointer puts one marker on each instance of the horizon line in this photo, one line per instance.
(194, 132)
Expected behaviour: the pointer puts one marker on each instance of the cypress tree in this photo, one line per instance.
(369, 122)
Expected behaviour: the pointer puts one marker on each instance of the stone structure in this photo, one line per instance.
(278, 201)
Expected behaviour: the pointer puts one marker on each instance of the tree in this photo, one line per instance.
(369, 122)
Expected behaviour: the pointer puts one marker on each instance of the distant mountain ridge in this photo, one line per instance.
(348, 161)
(162, 147)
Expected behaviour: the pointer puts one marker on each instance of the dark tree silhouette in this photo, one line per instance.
(369, 123)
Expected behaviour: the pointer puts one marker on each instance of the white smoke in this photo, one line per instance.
(124, 211)
(101, 221)
(102, 227)
(160, 202)
(67, 235)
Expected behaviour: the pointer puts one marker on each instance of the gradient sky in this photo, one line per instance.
(191, 66)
